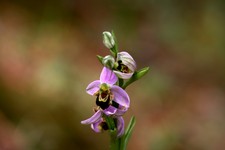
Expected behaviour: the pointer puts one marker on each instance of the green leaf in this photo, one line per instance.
(141, 72)
(130, 128)
(136, 76)
(128, 132)
(100, 58)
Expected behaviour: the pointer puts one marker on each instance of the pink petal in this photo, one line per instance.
(93, 87)
(123, 75)
(120, 96)
(121, 110)
(108, 76)
(127, 60)
(110, 110)
(120, 126)
(93, 119)
(95, 126)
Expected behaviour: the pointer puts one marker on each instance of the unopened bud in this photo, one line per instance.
(108, 40)
(108, 61)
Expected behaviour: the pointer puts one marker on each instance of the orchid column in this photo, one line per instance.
(112, 101)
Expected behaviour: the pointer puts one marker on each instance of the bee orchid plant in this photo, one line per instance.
(112, 101)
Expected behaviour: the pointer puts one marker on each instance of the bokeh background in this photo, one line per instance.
(48, 54)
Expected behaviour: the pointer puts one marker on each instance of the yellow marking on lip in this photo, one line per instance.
(103, 99)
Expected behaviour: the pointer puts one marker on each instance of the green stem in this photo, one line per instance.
(121, 81)
(114, 143)
(120, 143)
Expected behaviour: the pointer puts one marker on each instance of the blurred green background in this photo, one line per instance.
(48, 54)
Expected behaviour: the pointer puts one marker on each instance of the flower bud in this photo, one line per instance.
(108, 39)
(126, 65)
(108, 61)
